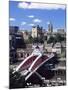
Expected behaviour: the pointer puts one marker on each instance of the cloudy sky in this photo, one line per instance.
(27, 14)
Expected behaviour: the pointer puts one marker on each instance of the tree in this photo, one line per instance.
(59, 38)
(45, 37)
(16, 80)
(51, 40)
(30, 39)
(38, 40)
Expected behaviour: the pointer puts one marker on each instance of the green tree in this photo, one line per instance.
(51, 40)
(38, 40)
(59, 38)
(16, 80)
(30, 39)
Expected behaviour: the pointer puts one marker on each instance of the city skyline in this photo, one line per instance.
(28, 14)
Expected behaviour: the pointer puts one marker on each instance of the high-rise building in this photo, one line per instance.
(50, 30)
(12, 32)
(50, 27)
(12, 42)
(13, 29)
(16, 41)
(36, 31)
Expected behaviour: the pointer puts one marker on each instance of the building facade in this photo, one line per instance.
(16, 41)
(36, 31)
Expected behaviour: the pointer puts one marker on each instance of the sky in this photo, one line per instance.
(28, 14)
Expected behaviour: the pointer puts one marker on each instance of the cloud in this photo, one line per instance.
(23, 5)
(37, 20)
(31, 24)
(31, 16)
(27, 5)
(48, 22)
(12, 19)
(23, 23)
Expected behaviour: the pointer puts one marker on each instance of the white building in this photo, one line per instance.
(57, 48)
(36, 31)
